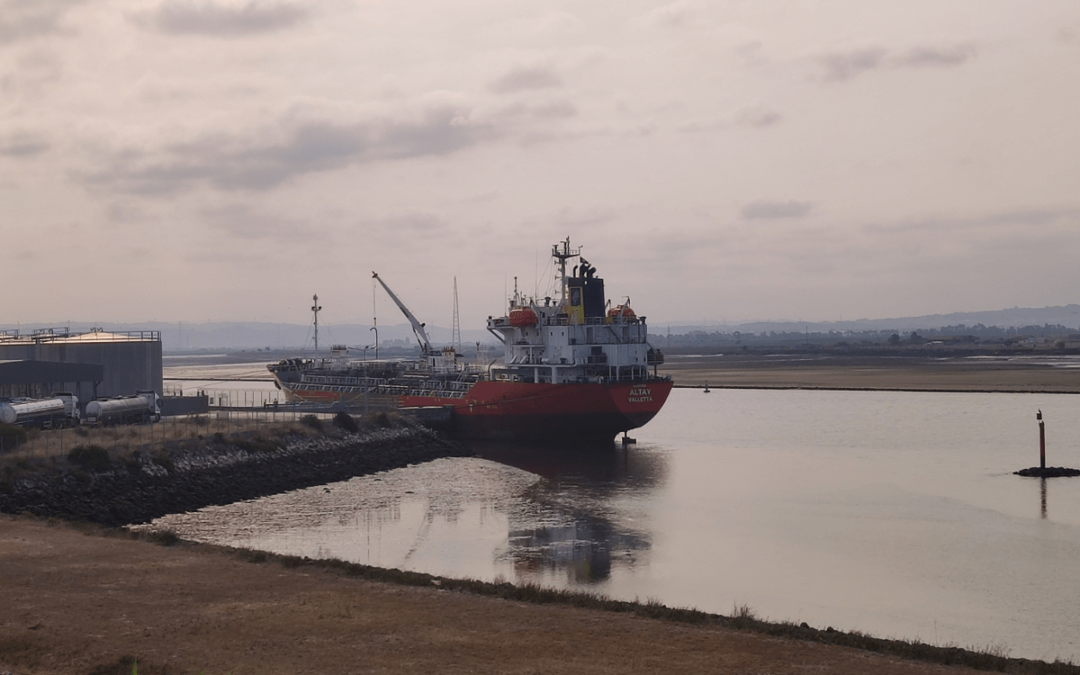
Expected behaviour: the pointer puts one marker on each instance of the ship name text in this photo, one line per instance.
(640, 395)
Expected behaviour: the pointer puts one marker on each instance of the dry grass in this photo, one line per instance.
(121, 441)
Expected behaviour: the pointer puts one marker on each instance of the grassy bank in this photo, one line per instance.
(486, 626)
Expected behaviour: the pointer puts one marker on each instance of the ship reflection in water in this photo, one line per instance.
(539, 514)
(594, 492)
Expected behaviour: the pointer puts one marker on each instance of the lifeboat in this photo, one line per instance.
(621, 313)
(523, 316)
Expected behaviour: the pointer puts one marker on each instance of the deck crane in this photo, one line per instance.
(418, 328)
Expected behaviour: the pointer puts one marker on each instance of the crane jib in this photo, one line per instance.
(417, 326)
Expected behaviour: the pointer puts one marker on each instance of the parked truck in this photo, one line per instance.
(142, 407)
(59, 410)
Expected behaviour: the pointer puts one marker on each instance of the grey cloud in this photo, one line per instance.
(757, 116)
(571, 217)
(222, 19)
(526, 78)
(243, 222)
(414, 223)
(308, 147)
(934, 57)
(1012, 221)
(674, 14)
(847, 65)
(547, 110)
(840, 66)
(21, 144)
(28, 19)
(771, 209)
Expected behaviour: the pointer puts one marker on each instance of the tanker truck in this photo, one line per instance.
(59, 410)
(144, 406)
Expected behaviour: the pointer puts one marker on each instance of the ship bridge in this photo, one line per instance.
(580, 339)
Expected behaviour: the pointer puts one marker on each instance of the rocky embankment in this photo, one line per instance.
(90, 485)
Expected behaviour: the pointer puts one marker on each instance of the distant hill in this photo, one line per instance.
(1017, 317)
(254, 335)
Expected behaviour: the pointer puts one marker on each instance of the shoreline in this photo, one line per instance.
(967, 374)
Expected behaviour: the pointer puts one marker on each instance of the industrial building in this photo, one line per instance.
(95, 364)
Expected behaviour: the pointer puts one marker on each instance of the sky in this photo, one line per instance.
(716, 161)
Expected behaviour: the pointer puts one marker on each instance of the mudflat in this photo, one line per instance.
(1056, 374)
(75, 601)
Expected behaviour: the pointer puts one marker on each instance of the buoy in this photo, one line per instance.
(706, 387)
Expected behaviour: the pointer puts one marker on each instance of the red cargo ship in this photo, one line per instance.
(572, 368)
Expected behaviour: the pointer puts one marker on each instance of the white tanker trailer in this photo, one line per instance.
(62, 409)
(144, 406)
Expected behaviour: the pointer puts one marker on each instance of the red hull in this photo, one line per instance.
(586, 411)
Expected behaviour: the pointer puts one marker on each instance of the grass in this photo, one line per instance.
(992, 658)
(123, 440)
(93, 449)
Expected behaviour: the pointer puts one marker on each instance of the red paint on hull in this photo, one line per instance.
(526, 410)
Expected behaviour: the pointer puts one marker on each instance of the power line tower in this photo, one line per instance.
(455, 330)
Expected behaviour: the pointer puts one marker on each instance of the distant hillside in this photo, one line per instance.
(1017, 317)
(255, 335)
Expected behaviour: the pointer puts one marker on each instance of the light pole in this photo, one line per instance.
(376, 329)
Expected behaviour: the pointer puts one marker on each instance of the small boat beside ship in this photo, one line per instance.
(573, 367)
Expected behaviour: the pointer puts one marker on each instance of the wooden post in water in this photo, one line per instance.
(1042, 440)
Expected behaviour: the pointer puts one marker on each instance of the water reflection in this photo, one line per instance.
(592, 493)
(542, 514)
(601, 468)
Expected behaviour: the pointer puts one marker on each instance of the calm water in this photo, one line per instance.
(891, 513)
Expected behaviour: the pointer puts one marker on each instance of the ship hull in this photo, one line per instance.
(527, 411)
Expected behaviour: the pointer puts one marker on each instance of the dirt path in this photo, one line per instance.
(75, 602)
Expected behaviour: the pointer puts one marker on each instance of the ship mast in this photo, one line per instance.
(565, 254)
(455, 331)
(315, 308)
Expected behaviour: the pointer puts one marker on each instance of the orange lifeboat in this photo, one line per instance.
(622, 313)
(522, 316)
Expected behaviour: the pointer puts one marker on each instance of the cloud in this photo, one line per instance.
(840, 66)
(674, 14)
(772, 209)
(28, 19)
(243, 222)
(755, 115)
(526, 78)
(941, 57)
(291, 148)
(217, 18)
(1026, 221)
(22, 144)
(843, 66)
(36, 72)
(758, 115)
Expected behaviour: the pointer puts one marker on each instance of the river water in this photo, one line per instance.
(892, 513)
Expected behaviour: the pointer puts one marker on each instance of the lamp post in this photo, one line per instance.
(376, 329)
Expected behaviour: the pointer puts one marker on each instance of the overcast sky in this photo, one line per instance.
(194, 160)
